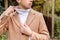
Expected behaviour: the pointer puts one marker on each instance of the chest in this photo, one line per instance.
(15, 24)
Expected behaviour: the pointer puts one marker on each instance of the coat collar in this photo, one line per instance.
(29, 18)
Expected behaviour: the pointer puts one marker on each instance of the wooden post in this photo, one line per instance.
(44, 8)
(52, 18)
(6, 4)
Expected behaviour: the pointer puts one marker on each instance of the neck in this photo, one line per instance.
(18, 8)
(21, 7)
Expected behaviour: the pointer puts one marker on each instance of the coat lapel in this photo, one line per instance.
(30, 17)
(16, 19)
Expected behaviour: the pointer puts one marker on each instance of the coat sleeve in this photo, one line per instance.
(43, 33)
(3, 23)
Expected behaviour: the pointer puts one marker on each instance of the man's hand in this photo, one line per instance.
(26, 30)
(9, 11)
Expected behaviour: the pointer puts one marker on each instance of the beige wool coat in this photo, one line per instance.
(35, 21)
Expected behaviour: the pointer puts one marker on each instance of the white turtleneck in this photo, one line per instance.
(22, 14)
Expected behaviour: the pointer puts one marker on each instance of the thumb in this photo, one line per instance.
(22, 25)
(25, 25)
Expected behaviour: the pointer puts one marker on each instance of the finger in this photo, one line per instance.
(10, 10)
(11, 6)
(25, 25)
(22, 24)
(12, 14)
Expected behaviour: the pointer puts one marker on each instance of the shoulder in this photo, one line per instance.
(36, 12)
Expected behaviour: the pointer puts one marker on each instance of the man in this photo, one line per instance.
(23, 23)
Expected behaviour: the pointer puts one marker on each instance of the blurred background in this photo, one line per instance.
(50, 10)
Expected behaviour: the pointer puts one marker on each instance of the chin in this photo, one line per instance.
(28, 7)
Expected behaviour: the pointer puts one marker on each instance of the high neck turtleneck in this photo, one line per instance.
(21, 11)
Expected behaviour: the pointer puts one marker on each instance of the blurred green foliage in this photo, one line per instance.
(57, 3)
(57, 26)
(1, 9)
